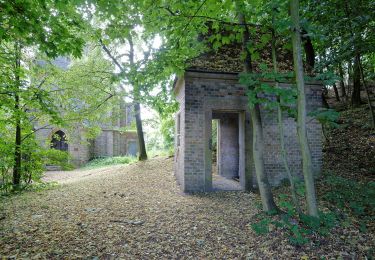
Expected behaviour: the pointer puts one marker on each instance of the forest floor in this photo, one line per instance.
(138, 212)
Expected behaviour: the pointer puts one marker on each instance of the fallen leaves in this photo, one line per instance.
(138, 212)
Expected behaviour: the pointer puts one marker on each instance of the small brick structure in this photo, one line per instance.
(203, 96)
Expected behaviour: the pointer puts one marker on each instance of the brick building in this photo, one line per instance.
(112, 141)
(210, 90)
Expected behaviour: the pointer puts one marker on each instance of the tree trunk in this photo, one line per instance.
(372, 114)
(141, 141)
(137, 108)
(268, 202)
(356, 93)
(350, 78)
(17, 147)
(324, 99)
(281, 126)
(337, 96)
(312, 208)
(17, 113)
(309, 51)
(342, 84)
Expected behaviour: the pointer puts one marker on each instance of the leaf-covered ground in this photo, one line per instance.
(350, 149)
(138, 212)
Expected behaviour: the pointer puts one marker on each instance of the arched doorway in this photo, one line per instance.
(58, 141)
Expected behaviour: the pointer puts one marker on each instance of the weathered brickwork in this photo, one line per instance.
(78, 147)
(202, 94)
(110, 142)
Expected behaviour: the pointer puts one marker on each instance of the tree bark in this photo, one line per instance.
(268, 202)
(309, 52)
(337, 95)
(141, 141)
(350, 78)
(372, 114)
(312, 208)
(17, 112)
(324, 99)
(342, 84)
(356, 92)
(137, 108)
(17, 147)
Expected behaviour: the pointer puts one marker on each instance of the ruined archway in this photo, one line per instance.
(59, 141)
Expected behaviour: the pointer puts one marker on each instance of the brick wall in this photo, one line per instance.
(78, 147)
(199, 94)
(179, 147)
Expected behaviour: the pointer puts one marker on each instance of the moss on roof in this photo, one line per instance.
(227, 59)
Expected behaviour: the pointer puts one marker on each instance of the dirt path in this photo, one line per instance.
(138, 212)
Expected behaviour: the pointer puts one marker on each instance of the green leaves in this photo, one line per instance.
(261, 90)
(54, 27)
(327, 117)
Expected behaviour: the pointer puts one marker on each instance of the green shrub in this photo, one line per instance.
(261, 227)
(299, 228)
(57, 157)
(105, 161)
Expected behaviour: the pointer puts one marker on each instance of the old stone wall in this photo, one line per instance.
(204, 93)
(114, 143)
(78, 147)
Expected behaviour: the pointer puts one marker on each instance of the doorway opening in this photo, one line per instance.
(226, 151)
(59, 141)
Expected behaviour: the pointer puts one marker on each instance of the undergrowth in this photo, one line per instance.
(354, 198)
(105, 161)
(32, 187)
(298, 228)
(166, 152)
(347, 199)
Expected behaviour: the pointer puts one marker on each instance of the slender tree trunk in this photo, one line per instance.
(312, 208)
(356, 94)
(372, 114)
(141, 141)
(337, 95)
(17, 147)
(137, 108)
(350, 78)
(281, 127)
(342, 84)
(309, 51)
(324, 99)
(17, 112)
(268, 202)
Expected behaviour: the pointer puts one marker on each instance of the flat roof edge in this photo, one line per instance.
(231, 76)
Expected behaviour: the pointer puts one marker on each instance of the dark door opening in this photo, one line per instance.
(59, 141)
(225, 149)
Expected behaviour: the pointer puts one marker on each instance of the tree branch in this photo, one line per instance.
(111, 56)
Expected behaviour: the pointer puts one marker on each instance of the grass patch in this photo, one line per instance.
(32, 187)
(165, 152)
(105, 161)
